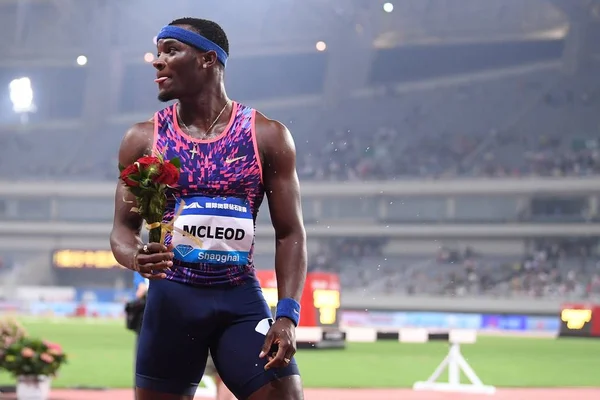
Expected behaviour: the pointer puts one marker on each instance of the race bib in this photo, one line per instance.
(224, 225)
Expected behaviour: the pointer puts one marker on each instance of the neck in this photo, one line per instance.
(201, 111)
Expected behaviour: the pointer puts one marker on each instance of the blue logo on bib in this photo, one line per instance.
(184, 249)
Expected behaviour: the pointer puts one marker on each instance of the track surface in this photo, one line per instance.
(363, 394)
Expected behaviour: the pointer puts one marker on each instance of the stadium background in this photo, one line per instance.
(449, 155)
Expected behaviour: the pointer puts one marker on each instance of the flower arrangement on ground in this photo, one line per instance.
(31, 357)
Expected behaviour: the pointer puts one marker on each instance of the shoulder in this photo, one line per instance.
(272, 135)
(137, 142)
(140, 132)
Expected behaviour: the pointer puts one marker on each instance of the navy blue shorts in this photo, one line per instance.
(181, 323)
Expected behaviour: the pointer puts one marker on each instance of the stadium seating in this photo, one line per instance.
(501, 126)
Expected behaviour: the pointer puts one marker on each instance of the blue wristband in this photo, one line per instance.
(288, 308)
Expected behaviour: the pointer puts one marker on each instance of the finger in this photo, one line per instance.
(289, 357)
(170, 247)
(290, 352)
(154, 268)
(146, 268)
(278, 360)
(155, 258)
(155, 248)
(267, 345)
(154, 277)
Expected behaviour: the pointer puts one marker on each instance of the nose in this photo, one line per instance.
(159, 64)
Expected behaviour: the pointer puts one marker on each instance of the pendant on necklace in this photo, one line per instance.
(193, 151)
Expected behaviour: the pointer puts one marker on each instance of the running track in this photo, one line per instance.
(368, 394)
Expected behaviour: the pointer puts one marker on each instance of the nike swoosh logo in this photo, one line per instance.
(231, 160)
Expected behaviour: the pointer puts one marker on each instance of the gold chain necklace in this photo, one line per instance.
(193, 151)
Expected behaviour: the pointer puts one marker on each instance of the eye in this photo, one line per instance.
(172, 50)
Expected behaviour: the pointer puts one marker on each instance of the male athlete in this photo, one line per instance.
(203, 292)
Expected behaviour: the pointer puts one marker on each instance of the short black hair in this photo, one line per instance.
(209, 29)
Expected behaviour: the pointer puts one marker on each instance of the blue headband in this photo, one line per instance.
(193, 39)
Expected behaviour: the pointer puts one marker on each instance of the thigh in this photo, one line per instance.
(235, 351)
(287, 388)
(173, 343)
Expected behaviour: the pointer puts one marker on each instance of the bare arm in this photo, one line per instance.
(125, 236)
(283, 193)
(280, 179)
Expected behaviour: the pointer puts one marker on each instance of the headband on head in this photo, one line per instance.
(193, 39)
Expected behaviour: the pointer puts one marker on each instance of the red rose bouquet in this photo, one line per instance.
(148, 179)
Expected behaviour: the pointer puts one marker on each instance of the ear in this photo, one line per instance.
(209, 59)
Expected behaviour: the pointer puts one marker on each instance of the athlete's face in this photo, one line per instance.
(178, 70)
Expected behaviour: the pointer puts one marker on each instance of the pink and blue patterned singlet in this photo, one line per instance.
(221, 188)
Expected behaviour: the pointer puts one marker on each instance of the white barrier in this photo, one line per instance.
(309, 334)
(361, 335)
(454, 362)
(416, 335)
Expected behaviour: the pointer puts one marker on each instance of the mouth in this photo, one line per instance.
(161, 80)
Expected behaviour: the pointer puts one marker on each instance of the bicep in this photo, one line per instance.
(282, 185)
(133, 146)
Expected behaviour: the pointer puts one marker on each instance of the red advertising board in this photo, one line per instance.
(320, 298)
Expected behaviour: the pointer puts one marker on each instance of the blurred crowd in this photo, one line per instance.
(552, 271)
(562, 269)
(346, 157)
(539, 124)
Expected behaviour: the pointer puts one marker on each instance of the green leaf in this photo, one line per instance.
(176, 162)
(121, 167)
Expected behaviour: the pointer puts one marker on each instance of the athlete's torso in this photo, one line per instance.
(220, 190)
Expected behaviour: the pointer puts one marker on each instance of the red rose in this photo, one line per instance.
(127, 172)
(149, 165)
(169, 174)
(147, 161)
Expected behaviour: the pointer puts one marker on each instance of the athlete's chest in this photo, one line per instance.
(226, 166)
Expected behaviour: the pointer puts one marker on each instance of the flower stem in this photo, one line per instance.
(155, 234)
